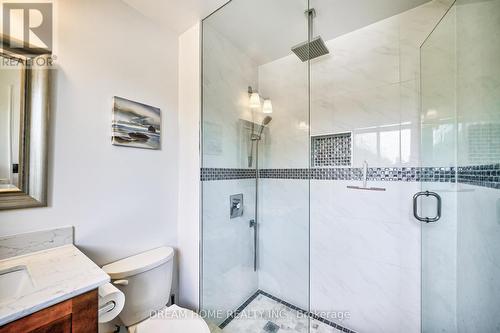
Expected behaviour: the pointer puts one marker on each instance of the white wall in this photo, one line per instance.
(121, 200)
(189, 167)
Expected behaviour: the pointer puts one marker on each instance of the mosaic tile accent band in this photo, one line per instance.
(284, 173)
(387, 174)
(289, 305)
(208, 174)
(479, 175)
(374, 174)
(331, 150)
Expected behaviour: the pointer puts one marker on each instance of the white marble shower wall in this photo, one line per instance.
(478, 90)
(364, 246)
(228, 278)
(284, 240)
(228, 275)
(439, 148)
(365, 255)
(227, 73)
(369, 84)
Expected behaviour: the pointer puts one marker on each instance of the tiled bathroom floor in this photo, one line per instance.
(265, 315)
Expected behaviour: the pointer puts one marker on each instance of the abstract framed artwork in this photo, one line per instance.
(135, 124)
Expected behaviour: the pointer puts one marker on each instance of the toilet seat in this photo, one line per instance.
(172, 319)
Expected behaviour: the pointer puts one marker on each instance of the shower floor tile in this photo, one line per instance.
(265, 315)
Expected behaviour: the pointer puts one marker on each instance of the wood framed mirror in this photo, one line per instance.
(24, 129)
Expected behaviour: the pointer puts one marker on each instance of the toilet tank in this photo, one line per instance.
(146, 280)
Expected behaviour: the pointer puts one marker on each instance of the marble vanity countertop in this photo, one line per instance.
(57, 274)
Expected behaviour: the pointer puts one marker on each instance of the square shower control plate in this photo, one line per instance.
(236, 205)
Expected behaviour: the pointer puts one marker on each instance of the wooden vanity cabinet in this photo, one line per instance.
(76, 315)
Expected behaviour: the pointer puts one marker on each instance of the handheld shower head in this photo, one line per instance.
(265, 122)
(257, 137)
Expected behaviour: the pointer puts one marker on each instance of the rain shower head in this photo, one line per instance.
(311, 50)
(313, 47)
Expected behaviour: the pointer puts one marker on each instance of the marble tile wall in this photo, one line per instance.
(228, 275)
(439, 147)
(366, 260)
(227, 270)
(227, 73)
(369, 84)
(284, 239)
(478, 293)
(478, 88)
(478, 91)
(439, 261)
(365, 246)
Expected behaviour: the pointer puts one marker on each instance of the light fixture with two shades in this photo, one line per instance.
(255, 102)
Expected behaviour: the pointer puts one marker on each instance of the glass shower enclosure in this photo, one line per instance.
(461, 129)
(255, 226)
(350, 166)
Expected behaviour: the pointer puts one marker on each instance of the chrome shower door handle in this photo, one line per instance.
(415, 207)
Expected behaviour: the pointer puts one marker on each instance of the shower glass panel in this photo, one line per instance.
(367, 163)
(439, 149)
(320, 127)
(255, 125)
(461, 128)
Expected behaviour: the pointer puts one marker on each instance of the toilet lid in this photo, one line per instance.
(173, 319)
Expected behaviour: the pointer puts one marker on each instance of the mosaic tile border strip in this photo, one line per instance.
(208, 174)
(284, 173)
(444, 175)
(289, 305)
(480, 175)
(238, 310)
(374, 174)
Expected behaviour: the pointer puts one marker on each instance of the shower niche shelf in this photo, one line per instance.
(331, 150)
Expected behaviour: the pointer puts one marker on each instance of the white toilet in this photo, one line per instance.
(146, 279)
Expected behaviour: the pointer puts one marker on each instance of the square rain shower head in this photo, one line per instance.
(308, 51)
